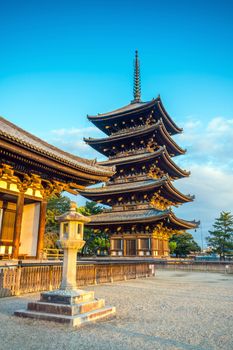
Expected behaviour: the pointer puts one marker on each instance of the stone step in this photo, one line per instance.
(69, 297)
(69, 310)
(75, 320)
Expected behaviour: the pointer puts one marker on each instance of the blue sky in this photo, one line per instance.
(62, 60)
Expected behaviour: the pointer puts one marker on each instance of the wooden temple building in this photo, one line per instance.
(141, 193)
(31, 171)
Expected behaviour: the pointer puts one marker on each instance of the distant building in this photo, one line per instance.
(141, 193)
(31, 171)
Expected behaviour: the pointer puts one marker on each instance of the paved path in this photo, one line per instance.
(174, 310)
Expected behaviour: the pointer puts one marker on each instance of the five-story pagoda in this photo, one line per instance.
(141, 193)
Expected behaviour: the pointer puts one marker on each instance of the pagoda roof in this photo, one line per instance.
(167, 163)
(22, 142)
(137, 186)
(162, 136)
(132, 110)
(141, 216)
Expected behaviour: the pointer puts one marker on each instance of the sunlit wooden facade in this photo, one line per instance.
(31, 171)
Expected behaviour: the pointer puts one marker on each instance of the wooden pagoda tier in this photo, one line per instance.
(141, 137)
(139, 144)
(31, 171)
(138, 194)
(157, 161)
(141, 113)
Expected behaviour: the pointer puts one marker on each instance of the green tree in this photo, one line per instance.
(90, 208)
(96, 243)
(56, 206)
(172, 246)
(221, 237)
(185, 244)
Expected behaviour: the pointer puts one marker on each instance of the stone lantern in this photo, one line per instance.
(71, 241)
(69, 304)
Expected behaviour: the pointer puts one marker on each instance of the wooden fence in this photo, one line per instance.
(27, 278)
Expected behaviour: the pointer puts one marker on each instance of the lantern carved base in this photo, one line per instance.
(71, 307)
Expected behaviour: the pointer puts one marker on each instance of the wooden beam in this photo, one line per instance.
(18, 224)
(41, 231)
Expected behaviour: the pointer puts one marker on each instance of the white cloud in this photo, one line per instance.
(71, 140)
(74, 131)
(209, 158)
(209, 143)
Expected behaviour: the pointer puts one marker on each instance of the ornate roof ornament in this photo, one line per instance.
(137, 80)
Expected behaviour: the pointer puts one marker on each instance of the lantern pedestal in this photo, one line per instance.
(74, 307)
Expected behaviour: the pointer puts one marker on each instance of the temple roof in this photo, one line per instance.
(133, 110)
(141, 216)
(163, 138)
(128, 108)
(166, 162)
(166, 188)
(20, 137)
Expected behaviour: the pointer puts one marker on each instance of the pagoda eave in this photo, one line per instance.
(166, 162)
(164, 186)
(110, 144)
(181, 224)
(137, 216)
(135, 109)
(151, 216)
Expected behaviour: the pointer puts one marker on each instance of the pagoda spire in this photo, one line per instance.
(137, 80)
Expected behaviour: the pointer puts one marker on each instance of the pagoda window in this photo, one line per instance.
(145, 243)
(117, 244)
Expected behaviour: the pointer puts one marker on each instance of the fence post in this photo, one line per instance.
(50, 277)
(17, 280)
(95, 274)
(111, 274)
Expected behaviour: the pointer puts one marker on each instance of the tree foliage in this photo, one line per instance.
(172, 246)
(55, 207)
(221, 237)
(183, 244)
(95, 242)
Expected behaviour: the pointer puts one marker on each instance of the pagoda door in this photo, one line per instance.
(131, 247)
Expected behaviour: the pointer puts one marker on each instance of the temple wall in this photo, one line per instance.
(29, 230)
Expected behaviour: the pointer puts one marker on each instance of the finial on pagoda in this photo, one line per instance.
(137, 80)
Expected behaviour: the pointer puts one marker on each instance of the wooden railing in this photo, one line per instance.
(52, 254)
(27, 278)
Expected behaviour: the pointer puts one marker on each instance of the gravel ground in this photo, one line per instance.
(174, 310)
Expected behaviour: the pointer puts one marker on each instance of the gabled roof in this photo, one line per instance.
(133, 110)
(24, 140)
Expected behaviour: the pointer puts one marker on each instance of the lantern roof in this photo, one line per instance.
(72, 215)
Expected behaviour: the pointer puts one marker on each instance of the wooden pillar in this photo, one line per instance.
(154, 246)
(41, 231)
(124, 246)
(18, 224)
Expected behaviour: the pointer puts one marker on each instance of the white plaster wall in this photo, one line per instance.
(29, 229)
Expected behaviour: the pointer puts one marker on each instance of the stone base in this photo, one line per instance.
(73, 307)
